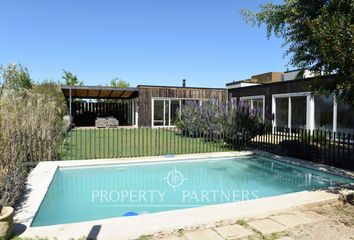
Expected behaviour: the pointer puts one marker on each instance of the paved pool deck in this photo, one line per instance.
(133, 227)
(253, 228)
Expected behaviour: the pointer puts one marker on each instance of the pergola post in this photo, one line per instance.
(136, 114)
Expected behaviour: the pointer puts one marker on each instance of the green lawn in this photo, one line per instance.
(132, 142)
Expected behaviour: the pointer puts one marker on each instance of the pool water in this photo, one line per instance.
(92, 193)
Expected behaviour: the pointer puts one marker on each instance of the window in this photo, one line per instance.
(255, 102)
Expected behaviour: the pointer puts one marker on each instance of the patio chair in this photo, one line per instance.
(101, 123)
(112, 122)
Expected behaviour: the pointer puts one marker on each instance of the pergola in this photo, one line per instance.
(99, 92)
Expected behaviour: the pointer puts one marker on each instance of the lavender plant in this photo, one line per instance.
(227, 119)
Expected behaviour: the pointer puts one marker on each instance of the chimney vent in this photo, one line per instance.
(184, 83)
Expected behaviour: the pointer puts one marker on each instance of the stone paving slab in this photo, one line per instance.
(312, 217)
(289, 220)
(206, 234)
(285, 238)
(173, 238)
(267, 226)
(233, 231)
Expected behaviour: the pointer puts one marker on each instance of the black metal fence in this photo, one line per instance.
(335, 149)
(326, 147)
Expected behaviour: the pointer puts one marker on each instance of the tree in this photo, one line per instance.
(319, 35)
(119, 83)
(71, 79)
(15, 76)
(116, 82)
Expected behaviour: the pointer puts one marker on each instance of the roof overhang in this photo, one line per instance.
(99, 92)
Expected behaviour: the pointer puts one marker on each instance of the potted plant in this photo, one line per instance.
(6, 221)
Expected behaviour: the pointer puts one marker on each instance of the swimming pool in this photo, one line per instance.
(91, 193)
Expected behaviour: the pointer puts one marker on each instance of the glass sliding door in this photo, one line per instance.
(324, 113)
(158, 113)
(332, 115)
(298, 112)
(291, 110)
(175, 105)
(282, 111)
(167, 113)
(345, 118)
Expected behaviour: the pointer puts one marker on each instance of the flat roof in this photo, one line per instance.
(181, 87)
(294, 81)
(99, 92)
(236, 81)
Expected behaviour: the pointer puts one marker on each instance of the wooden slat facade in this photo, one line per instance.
(146, 93)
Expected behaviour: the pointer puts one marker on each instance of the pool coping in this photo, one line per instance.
(40, 178)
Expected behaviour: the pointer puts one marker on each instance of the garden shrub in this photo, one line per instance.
(31, 121)
(12, 184)
(227, 119)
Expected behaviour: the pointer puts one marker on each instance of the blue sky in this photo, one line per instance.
(157, 42)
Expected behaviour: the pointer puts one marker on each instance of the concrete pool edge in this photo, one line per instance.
(41, 177)
(307, 164)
